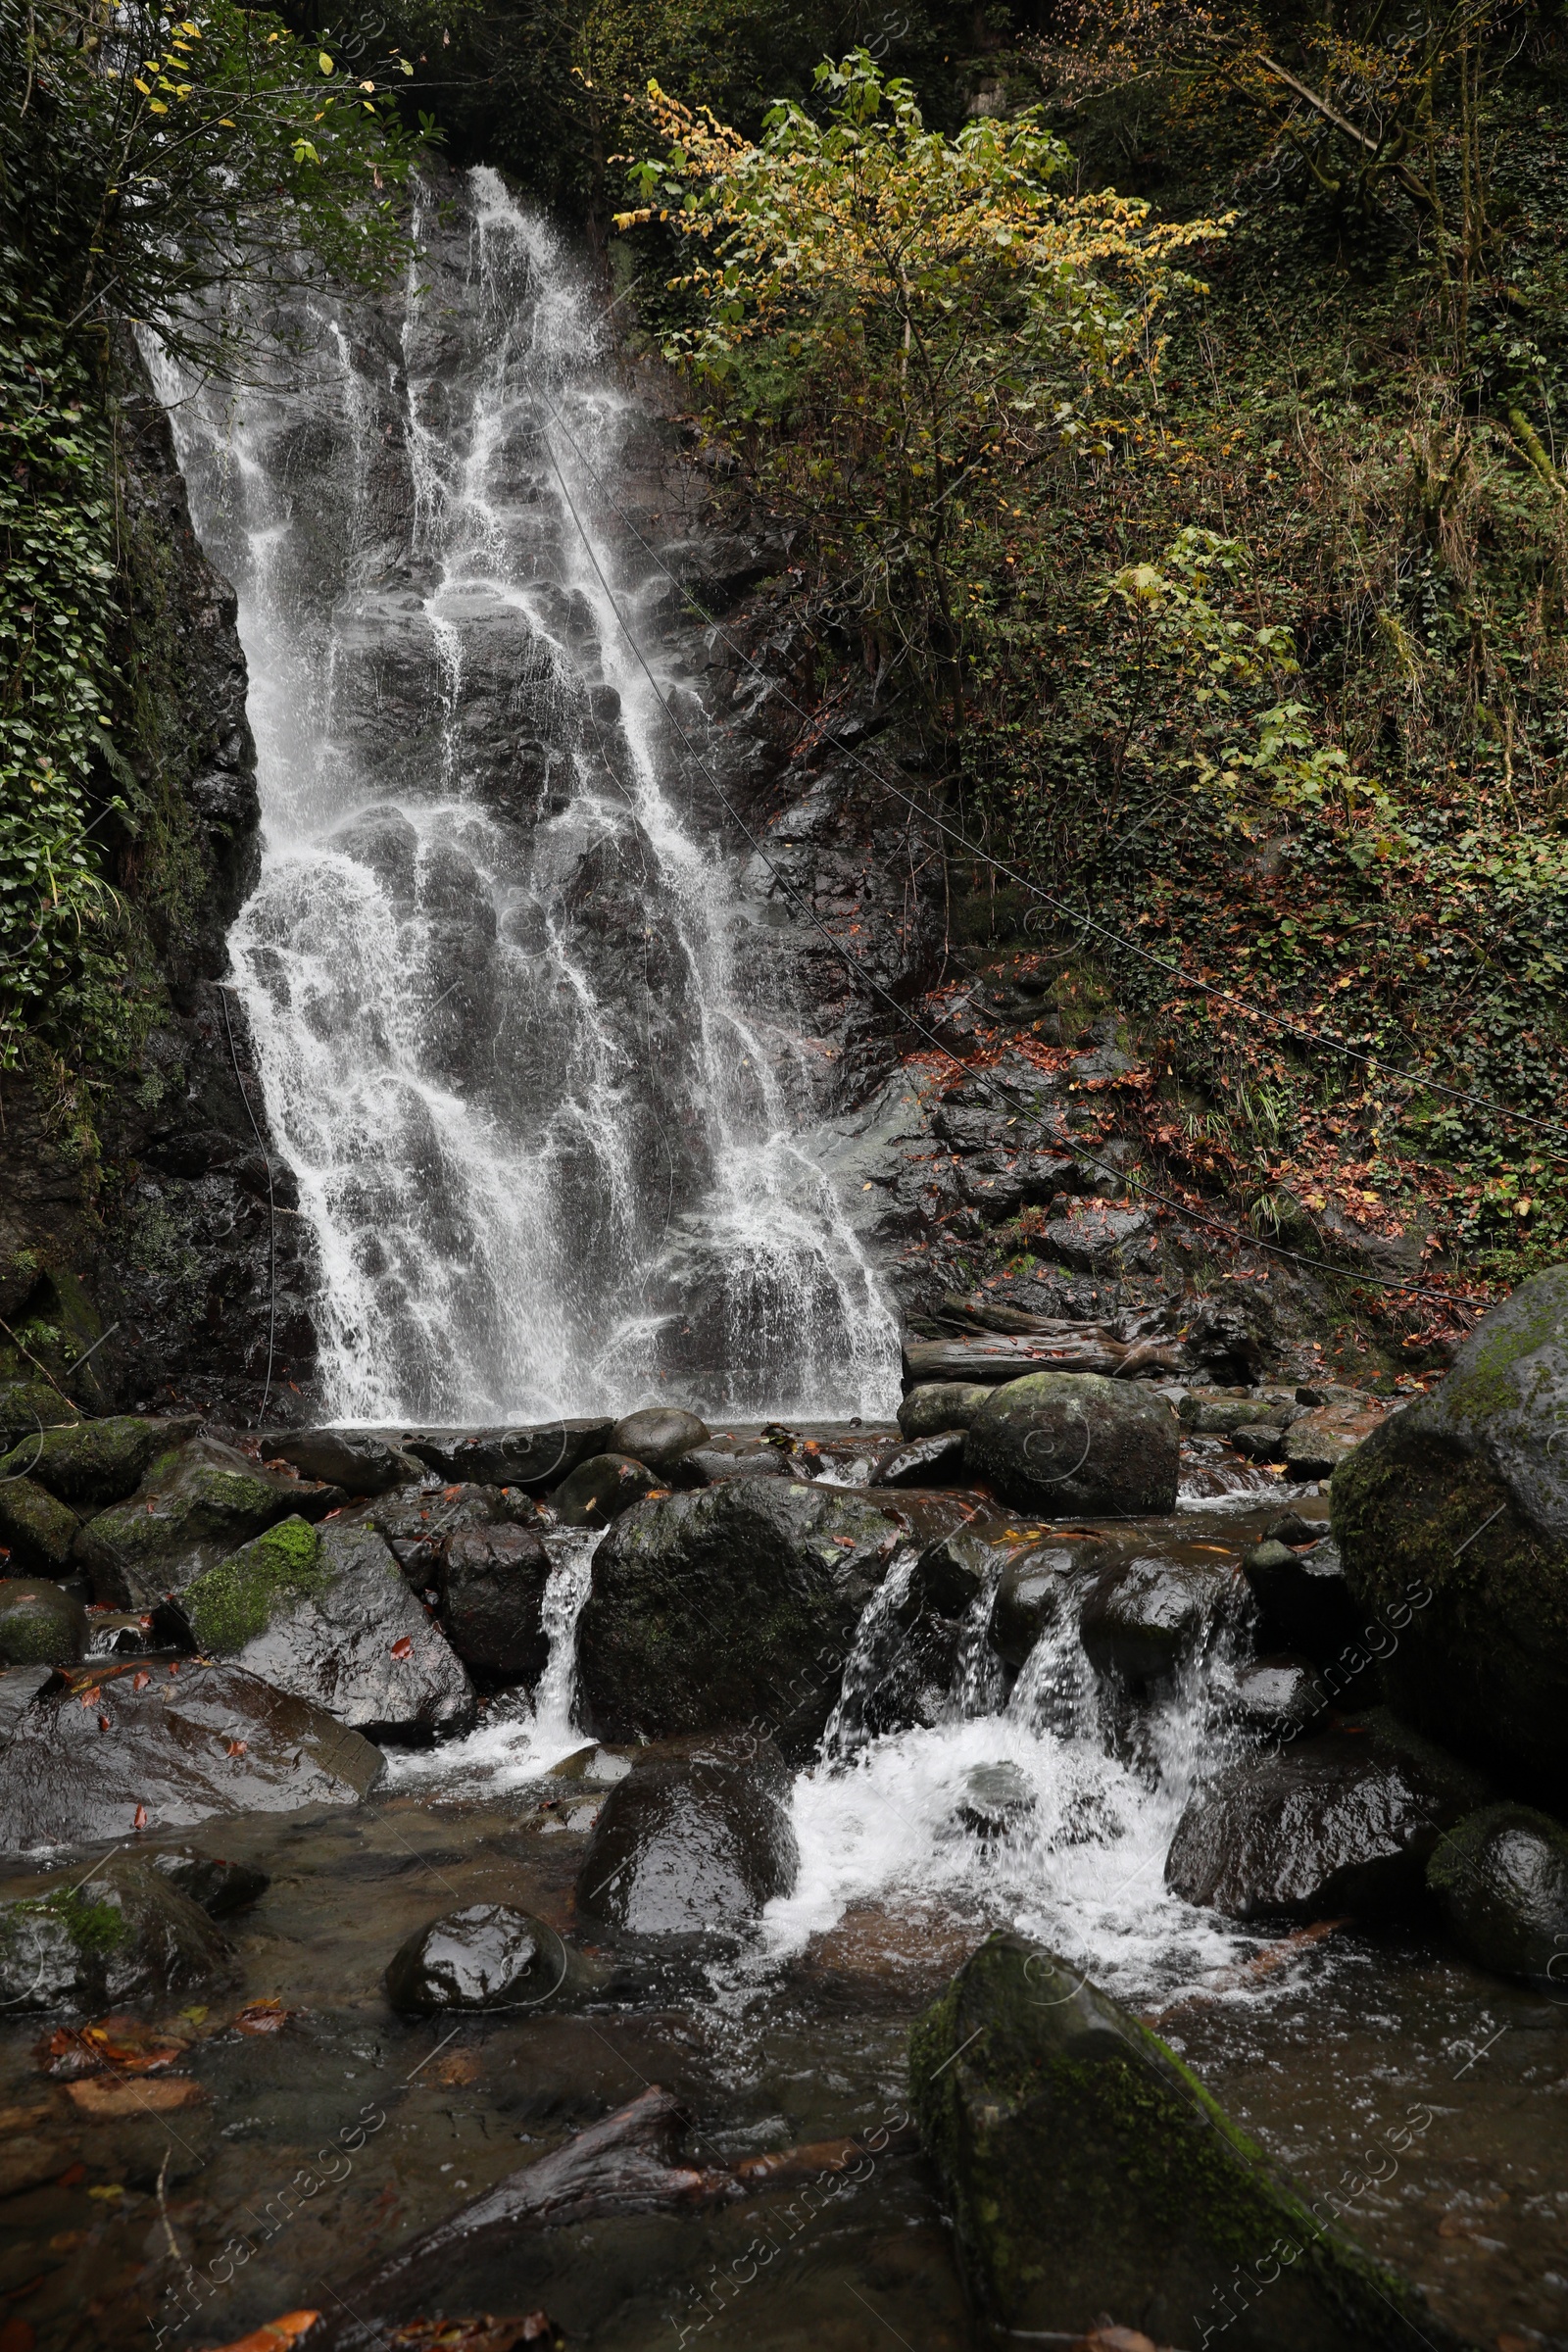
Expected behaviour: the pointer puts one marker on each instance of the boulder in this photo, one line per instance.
(1500, 1877)
(600, 1488)
(1317, 1442)
(1099, 1240)
(658, 1435)
(1342, 1823)
(1144, 1618)
(1278, 1698)
(419, 1522)
(1029, 1599)
(1302, 1598)
(693, 1842)
(213, 1886)
(327, 1615)
(489, 1956)
(362, 1461)
(534, 1458)
(706, 1464)
(36, 1530)
(39, 1624)
(995, 1799)
(1219, 1413)
(1066, 1443)
(735, 1603)
(1452, 1521)
(1259, 1441)
(154, 1748)
(196, 1504)
(124, 1935)
(934, 1461)
(28, 1405)
(1088, 2172)
(493, 1582)
(939, 1405)
(96, 1462)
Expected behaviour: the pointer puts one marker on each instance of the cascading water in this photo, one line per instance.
(515, 1023)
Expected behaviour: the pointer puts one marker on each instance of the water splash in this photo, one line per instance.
(518, 1028)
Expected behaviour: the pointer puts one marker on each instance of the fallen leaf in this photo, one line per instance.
(237, 1748)
(100, 2099)
(119, 2045)
(402, 1647)
(262, 2017)
(276, 2335)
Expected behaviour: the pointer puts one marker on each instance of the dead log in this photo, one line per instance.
(998, 1356)
(629, 2162)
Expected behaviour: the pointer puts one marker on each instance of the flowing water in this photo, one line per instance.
(517, 1026)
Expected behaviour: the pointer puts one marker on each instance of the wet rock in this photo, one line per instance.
(1292, 1528)
(1452, 1519)
(1500, 1877)
(37, 1531)
(124, 1935)
(995, 1800)
(40, 1625)
(1233, 1336)
(1099, 1240)
(127, 1634)
(326, 1615)
(19, 1687)
(163, 1746)
(1087, 2170)
(693, 1842)
(1342, 1823)
(705, 1464)
(213, 1886)
(96, 1462)
(1029, 1599)
(1317, 1444)
(362, 1461)
(196, 1504)
(1278, 1698)
(420, 1522)
(934, 1461)
(720, 1607)
(658, 1435)
(1302, 1597)
(939, 1405)
(1144, 1620)
(493, 1582)
(600, 1488)
(1259, 1441)
(489, 1956)
(532, 1458)
(28, 1405)
(906, 1663)
(1217, 1413)
(1073, 1442)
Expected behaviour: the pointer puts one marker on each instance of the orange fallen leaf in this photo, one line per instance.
(276, 2335)
(403, 1647)
(236, 1747)
(102, 2099)
(262, 2017)
(119, 2045)
(140, 1820)
(141, 1681)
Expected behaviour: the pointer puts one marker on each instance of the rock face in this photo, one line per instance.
(1452, 1521)
(162, 1747)
(489, 1956)
(1501, 1878)
(1143, 1620)
(1062, 1443)
(1343, 1823)
(327, 1616)
(693, 1842)
(735, 1605)
(127, 1934)
(1088, 2172)
(493, 1582)
(39, 1624)
(196, 1504)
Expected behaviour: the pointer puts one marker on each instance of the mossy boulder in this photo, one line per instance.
(1088, 2170)
(28, 1405)
(1501, 1878)
(36, 1530)
(1452, 1521)
(737, 1602)
(95, 1462)
(39, 1624)
(1062, 1443)
(939, 1405)
(327, 1615)
(197, 1503)
(124, 1935)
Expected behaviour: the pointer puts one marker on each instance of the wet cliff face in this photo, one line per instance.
(139, 1208)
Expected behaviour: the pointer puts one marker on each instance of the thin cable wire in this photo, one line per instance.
(857, 970)
(1084, 922)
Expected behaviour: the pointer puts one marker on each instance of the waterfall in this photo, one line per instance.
(520, 1031)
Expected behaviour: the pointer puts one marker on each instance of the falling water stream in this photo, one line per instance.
(511, 1006)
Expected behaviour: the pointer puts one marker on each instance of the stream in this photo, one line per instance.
(546, 1104)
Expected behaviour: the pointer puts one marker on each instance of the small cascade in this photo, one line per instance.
(517, 1024)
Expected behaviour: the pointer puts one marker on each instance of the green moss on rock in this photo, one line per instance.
(96, 1462)
(233, 1604)
(1087, 2171)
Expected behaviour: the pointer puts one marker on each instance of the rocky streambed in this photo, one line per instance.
(1085, 1858)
